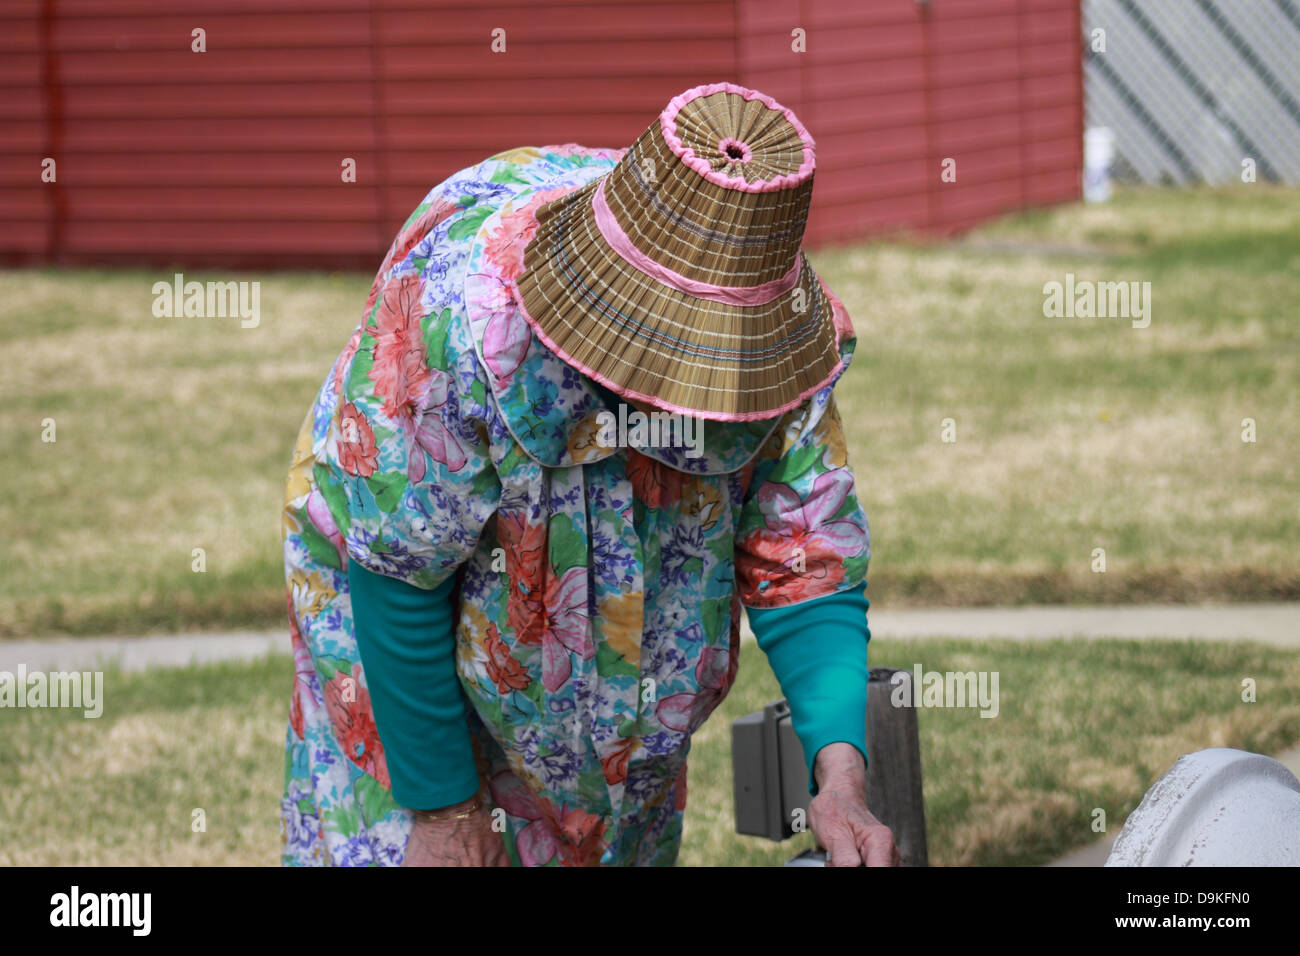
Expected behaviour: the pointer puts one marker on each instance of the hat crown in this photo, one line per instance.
(718, 188)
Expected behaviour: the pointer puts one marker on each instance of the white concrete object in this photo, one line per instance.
(1216, 807)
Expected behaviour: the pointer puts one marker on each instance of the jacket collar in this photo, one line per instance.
(558, 415)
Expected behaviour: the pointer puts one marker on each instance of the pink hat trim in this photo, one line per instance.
(668, 122)
(730, 295)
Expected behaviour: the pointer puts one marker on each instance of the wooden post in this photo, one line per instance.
(894, 792)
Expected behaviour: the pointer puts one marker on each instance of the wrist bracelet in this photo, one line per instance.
(435, 816)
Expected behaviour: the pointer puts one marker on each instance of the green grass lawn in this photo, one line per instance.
(1072, 434)
(1082, 725)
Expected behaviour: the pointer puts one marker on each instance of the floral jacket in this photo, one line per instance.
(600, 587)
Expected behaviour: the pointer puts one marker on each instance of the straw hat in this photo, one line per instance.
(678, 277)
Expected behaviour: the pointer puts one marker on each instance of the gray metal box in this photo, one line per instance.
(770, 777)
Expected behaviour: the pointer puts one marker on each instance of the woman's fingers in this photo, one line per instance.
(877, 846)
(842, 850)
(851, 833)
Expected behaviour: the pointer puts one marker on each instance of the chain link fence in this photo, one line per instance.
(1195, 90)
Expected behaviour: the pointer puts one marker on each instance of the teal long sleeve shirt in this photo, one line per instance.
(818, 652)
(817, 649)
(408, 649)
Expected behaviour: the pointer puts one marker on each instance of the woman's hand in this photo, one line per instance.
(468, 841)
(839, 816)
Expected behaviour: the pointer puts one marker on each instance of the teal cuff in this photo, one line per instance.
(408, 651)
(818, 651)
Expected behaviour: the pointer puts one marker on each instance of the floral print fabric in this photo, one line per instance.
(600, 588)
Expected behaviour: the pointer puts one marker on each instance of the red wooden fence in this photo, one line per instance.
(233, 156)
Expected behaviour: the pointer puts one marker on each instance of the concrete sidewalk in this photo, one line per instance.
(139, 653)
(1277, 624)
(1268, 623)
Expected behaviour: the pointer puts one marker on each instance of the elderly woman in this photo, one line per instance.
(587, 417)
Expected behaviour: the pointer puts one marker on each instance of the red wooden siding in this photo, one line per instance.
(233, 157)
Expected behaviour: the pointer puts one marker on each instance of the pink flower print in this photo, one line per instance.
(674, 711)
(320, 516)
(804, 527)
(506, 340)
(714, 673)
(504, 246)
(566, 627)
(579, 832)
(810, 520)
(400, 372)
(432, 435)
(303, 704)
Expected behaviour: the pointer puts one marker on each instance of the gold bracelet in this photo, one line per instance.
(438, 816)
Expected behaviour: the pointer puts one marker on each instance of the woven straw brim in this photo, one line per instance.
(648, 340)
